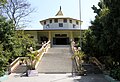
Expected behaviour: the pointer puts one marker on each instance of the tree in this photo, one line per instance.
(24, 41)
(7, 33)
(11, 45)
(92, 43)
(106, 32)
(6, 43)
(112, 28)
(16, 10)
(2, 1)
(88, 42)
(3, 61)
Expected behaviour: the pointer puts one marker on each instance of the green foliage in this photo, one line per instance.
(32, 57)
(6, 39)
(79, 54)
(11, 45)
(115, 73)
(102, 40)
(2, 2)
(3, 62)
(6, 43)
(23, 42)
(104, 32)
(88, 42)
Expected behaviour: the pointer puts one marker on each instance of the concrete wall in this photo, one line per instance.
(32, 33)
(42, 34)
(38, 34)
(67, 25)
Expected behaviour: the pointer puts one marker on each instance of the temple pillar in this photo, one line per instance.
(71, 35)
(49, 38)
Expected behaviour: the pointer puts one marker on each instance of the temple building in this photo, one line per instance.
(60, 30)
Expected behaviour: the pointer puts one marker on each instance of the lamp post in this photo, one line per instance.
(80, 23)
(80, 36)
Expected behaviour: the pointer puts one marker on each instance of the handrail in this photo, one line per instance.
(77, 63)
(97, 62)
(15, 63)
(16, 60)
(76, 59)
(41, 51)
(43, 46)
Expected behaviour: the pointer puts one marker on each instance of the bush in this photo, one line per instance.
(79, 54)
(2, 65)
(115, 73)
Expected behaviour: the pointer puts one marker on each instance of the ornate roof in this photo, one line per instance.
(59, 12)
(59, 15)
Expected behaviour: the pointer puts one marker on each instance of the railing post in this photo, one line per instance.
(9, 69)
(72, 67)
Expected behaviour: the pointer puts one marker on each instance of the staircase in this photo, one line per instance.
(56, 60)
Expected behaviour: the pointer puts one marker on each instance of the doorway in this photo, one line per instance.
(60, 41)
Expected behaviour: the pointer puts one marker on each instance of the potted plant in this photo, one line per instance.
(32, 57)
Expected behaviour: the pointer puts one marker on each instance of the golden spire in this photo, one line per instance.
(59, 12)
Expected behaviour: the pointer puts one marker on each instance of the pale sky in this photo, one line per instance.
(48, 8)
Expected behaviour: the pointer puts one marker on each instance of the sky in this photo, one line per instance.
(48, 8)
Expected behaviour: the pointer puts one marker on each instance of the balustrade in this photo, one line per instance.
(20, 60)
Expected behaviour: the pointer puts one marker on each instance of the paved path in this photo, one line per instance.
(56, 78)
(56, 60)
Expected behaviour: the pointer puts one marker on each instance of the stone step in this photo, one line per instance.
(56, 60)
(20, 69)
(59, 50)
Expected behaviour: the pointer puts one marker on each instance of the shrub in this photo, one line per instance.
(115, 73)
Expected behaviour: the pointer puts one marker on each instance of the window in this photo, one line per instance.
(63, 35)
(65, 20)
(74, 25)
(44, 22)
(60, 35)
(57, 35)
(43, 38)
(77, 22)
(50, 21)
(60, 24)
(56, 20)
(70, 21)
(47, 26)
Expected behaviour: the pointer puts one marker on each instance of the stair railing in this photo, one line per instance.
(76, 59)
(97, 62)
(18, 60)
